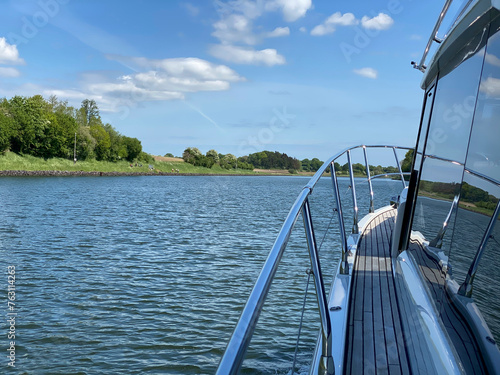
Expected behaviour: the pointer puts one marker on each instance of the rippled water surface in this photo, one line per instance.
(138, 275)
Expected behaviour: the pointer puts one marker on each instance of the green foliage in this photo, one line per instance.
(212, 154)
(7, 126)
(133, 147)
(85, 144)
(311, 165)
(91, 112)
(145, 158)
(228, 161)
(407, 161)
(103, 143)
(47, 128)
(190, 154)
(117, 149)
(273, 160)
(169, 155)
(244, 164)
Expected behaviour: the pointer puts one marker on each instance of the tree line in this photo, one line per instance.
(277, 160)
(51, 128)
(263, 160)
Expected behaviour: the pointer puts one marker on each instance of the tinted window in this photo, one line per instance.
(484, 150)
(453, 110)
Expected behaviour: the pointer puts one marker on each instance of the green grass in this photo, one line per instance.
(13, 161)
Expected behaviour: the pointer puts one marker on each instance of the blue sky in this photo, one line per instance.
(305, 77)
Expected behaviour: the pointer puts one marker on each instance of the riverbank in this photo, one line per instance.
(19, 173)
(14, 165)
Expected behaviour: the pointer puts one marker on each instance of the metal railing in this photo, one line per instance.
(433, 38)
(234, 354)
(434, 35)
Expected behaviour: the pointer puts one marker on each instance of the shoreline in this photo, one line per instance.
(55, 173)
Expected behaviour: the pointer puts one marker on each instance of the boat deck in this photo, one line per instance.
(375, 338)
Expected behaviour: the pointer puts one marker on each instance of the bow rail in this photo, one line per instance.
(234, 354)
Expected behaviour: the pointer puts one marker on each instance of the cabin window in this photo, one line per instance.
(458, 188)
(478, 199)
(484, 150)
(453, 110)
(435, 211)
(447, 140)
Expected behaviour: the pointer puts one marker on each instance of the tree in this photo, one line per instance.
(133, 147)
(6, 130)
(306, 165)
(212, 154)
(407, 161)
(229, 161)
(316, 164)
(31, 122)
(85, 144)
(117, 150)
(189, 155)
(103, 143)
(91, 111)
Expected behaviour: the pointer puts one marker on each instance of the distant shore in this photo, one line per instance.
(14, 173)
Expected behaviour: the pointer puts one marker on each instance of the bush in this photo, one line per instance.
(145, 157)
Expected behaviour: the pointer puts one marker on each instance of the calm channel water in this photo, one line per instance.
(148, 275)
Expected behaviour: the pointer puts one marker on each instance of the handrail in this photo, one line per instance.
(234, 354)
(367, 166)
(355, 229)
(433, 38)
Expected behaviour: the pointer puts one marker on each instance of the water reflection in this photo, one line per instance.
(439, 188)
(478, 201)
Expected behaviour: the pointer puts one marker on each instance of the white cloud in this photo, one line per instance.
(415, 37)
(292, 9)
(233, 29)
(243, 55)
(190, 67)
(491, 87)
(9, 72)
(153, 80)
(9, 53)
(279, 31)
(346, 19)
(380, 22)
(236, 23)
(303, 29)
(336, 19)
(492, 59)
(367, 72)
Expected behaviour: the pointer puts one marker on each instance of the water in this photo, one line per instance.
(148, 275)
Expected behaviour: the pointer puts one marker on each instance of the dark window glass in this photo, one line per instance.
(484, 150)
(453, 109)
